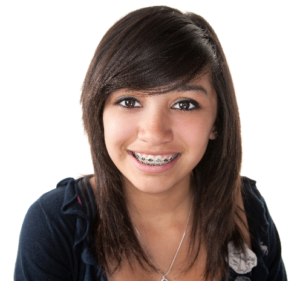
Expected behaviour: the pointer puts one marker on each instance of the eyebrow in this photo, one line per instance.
(186, 88)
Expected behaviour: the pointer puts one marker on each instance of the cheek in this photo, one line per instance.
(117, 132)
(195, 133)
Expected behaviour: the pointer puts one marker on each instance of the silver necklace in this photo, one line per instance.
(164, 275)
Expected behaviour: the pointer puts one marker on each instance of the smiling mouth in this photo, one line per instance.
(154, 160)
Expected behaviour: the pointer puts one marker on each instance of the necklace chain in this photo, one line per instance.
(164, 275)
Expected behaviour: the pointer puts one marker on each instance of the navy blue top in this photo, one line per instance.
(54, 245)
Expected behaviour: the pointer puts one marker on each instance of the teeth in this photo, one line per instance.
(157, 159)
(165, 159)
(152, 160)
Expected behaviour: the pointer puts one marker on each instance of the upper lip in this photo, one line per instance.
(154, 152)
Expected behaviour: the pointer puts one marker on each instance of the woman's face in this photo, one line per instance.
(168, 133)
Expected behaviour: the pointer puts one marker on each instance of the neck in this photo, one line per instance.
(159, 209)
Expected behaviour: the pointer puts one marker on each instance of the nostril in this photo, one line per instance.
(155, 136)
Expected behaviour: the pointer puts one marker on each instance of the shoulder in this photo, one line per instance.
(53, 208)
(52, 229)
(264, 235)
(249, 190)
(57, 212)
(258, 216)
(256, 209)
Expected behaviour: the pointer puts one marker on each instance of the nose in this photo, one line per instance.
(155, 127)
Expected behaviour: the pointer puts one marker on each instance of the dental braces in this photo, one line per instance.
(148, 161)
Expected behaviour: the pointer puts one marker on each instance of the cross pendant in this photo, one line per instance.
(164, 279)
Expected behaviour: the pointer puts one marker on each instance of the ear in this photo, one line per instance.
(213, 134)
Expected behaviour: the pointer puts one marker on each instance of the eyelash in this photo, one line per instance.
(127, 99)
(191, 102)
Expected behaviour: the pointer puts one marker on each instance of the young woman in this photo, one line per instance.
(166, 201)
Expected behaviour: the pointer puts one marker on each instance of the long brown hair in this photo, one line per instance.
(163, 48)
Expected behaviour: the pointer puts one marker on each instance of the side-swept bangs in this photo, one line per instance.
(150, 49)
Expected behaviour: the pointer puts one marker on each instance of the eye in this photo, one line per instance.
(185, 105)
(129, 103)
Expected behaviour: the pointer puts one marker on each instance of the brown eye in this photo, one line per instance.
(129, 103)
(186, 105)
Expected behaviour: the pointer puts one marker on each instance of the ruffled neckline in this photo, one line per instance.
(258, 223)
(239, 262)
(83, 206)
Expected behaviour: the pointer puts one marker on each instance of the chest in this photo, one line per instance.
(133, 271)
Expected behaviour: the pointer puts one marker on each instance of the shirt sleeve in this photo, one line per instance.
(271, 247)
(44, 246)
(265, 239)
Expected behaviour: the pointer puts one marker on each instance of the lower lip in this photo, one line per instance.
(153, 169)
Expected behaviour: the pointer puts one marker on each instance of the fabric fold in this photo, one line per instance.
(258, 223)
(239, 262)
(79, 201)
(73, 204)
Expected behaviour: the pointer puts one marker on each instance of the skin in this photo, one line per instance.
(159, 203)
(156, 124)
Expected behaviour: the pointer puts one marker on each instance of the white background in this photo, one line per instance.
(46, 47)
